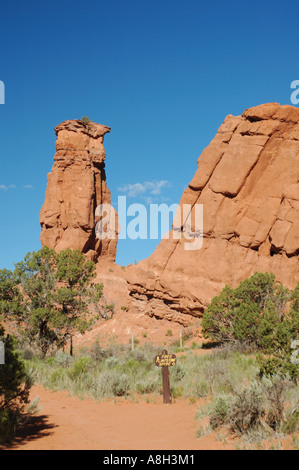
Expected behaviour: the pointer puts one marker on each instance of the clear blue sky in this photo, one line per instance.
(163, 74)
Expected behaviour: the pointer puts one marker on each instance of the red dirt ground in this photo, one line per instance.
(68, 423)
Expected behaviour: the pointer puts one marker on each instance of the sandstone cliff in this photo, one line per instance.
(76, 187)
(248, 183)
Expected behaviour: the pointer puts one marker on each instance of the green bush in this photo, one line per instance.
(48, 298)
(56, 378)
(149, 384)
(15, 384)
(111, 383)
(221, 411)
(79, 367)
(253, 314)
(62, 359)
(256, 315)
(85, 120)
(262, 406)
(248, 411)
(97, 353)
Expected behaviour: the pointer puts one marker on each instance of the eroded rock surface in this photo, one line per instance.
(76, 187)
(248, 182)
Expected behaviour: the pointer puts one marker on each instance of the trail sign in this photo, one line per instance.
(165, 360)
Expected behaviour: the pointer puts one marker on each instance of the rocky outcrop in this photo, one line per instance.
(248, 183)
(76, 187)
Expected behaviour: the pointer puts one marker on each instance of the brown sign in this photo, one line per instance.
(165, 360)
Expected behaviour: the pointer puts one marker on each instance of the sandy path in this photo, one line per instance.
(65, 422)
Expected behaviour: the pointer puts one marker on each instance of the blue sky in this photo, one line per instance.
(162, 74)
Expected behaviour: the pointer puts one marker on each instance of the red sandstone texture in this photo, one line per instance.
(248, 182)
(76, 187)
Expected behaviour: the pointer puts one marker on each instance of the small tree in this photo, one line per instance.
(283, 335)
(50, 295)
(75, 293)
(9, 293)
(85, 120)
(255, 314)
(36, 313)
(251, 314)
(15, 385)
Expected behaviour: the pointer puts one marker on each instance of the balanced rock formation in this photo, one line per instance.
(76, 187)
(248, 183)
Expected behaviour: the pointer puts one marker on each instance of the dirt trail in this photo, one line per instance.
(65, 422)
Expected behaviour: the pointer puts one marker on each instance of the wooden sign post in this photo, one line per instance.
(165, 360)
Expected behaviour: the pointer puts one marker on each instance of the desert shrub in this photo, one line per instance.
(261, 407)
(139, 355)
(56, 379)
(291, 423)
(187, 333)
(27, 352)
(177, 373)
(134, 367)
(97, 353)
(79, 367)
(111, 383)
(248, 411)
(256, 316)
(252, 314)
(48, 298)
(85, 120)
(221, 410)
(201, 389)
(151, 351)
(121, 385)
(280, 364)
(149, 384)
(177, 392)
(63, 360)
(112, 362)
(212, 374)
(15, 384)
(117, 350)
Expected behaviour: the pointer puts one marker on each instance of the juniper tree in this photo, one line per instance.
(48, 296)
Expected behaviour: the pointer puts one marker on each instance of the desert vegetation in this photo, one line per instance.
(239, 401)
(15, 384)
(43, 302)
(48, 298)
(85, 120)
(260, 315)
(248, 380)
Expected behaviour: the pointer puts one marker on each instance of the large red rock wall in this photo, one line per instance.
(248, 182)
